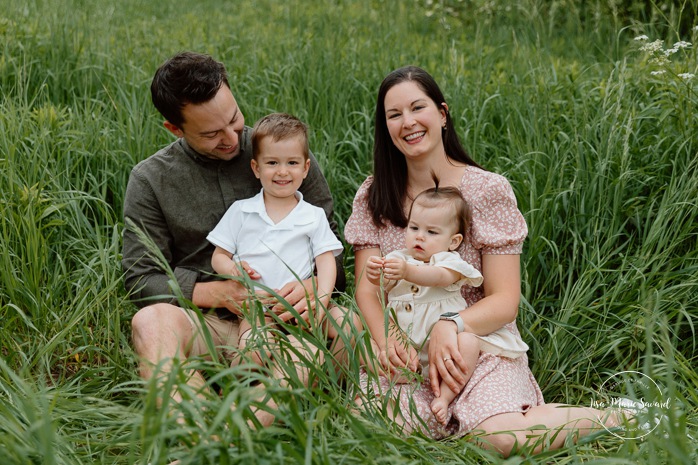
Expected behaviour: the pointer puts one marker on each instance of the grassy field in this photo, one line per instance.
(596, 131)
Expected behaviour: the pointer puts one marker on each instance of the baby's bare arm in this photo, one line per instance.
(428, 275)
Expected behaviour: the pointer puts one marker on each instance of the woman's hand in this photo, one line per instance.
(445, 361)
(396, 354)
(502, 287)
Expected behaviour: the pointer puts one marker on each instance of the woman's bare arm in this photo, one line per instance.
(502, 285)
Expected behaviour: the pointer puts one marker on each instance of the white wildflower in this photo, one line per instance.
(659, 60)
(643, 37)
(652, 47)
(695, 28)
(658, 73)
(670, 51)
(687, 76)
(682, 44)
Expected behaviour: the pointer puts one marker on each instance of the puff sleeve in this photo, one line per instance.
(359, 230)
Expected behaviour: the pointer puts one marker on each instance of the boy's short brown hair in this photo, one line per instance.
(279, 126)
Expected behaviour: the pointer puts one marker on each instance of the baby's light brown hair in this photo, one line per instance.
(279, 126)
(445, 196)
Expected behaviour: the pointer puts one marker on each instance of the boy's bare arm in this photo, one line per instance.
(222, 263)
(326, 276)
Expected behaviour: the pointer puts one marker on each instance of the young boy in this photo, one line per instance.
(276, 237)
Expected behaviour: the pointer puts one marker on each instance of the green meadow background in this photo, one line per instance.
(598, 137)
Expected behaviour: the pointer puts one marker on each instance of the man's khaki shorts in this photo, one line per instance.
(224, 333)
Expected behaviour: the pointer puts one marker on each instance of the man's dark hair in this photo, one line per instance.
(187, 77)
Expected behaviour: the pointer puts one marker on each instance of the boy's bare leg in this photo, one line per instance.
(469, 348)
(299, 354)
(244, 334)
(296, 358)
(247, 333)
(341, 326)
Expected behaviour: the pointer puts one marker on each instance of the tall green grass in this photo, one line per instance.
(557, 96)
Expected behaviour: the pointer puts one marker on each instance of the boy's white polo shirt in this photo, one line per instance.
(273, 250)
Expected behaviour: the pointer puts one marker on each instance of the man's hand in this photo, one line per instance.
(228, 294)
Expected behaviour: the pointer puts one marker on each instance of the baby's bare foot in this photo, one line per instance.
(439, 407)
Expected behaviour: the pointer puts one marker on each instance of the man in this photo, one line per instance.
(176, 197)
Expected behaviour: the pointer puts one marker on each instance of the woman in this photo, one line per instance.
(415, 140)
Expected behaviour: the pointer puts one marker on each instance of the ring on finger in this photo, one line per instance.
(446, 359)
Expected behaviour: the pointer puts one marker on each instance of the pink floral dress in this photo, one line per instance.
(498, 385)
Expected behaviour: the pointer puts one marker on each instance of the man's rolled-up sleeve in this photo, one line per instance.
(144, 277)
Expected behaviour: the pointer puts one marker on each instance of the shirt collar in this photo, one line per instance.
(299, 214)
(193, 154)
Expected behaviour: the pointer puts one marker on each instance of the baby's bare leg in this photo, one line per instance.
(469, 348)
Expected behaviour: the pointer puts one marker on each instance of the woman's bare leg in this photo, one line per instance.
(543, 427)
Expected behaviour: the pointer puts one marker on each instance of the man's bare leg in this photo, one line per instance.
(161, 333)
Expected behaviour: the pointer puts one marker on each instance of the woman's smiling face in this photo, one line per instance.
(414, 121)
